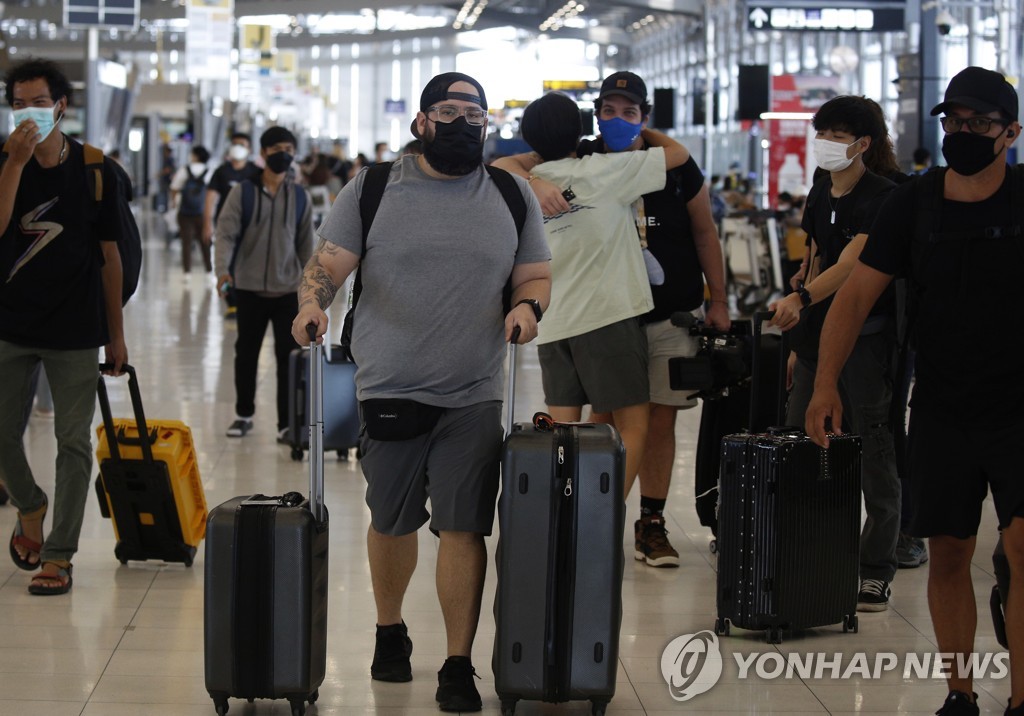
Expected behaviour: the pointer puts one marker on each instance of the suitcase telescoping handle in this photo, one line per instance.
(145, 439)
(316, 425)
(756, 379)
(510, 402)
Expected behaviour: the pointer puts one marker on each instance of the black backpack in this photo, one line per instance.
(375, 183)
(193, 195)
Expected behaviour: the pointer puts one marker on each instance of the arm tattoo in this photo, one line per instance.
(317, 283)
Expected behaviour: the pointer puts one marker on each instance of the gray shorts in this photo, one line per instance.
(456, 465)
(605, 368)
(666, 341)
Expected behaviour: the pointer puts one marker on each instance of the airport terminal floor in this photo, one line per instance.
(129, 639)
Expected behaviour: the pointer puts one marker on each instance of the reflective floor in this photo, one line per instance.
(129, 639)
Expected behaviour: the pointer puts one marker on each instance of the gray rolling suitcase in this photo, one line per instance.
(560, 558)
(341, 413)
(265, 592)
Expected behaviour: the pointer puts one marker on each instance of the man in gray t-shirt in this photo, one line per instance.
(428, 337)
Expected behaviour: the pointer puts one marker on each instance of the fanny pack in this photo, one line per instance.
(393, 419)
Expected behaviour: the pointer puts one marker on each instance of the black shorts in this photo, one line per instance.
(953, 464)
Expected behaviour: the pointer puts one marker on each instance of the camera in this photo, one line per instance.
(944, 22)
(723, 360)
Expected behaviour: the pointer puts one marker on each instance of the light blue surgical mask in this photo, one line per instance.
(42, 116)
(618, 134)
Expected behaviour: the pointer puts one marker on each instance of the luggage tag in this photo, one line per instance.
(545, 423)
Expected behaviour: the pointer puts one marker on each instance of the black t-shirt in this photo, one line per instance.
(51, 293)
(670, 238)
(225, 177)
(967, 290)
(853, 214)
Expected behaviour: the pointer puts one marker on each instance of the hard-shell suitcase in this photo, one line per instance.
(560, 558)
(149, 484)
(265, 591)
(341, 411)
(788, 532)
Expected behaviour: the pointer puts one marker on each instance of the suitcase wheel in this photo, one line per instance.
(722, 626)
(298, 706)
(713, 546)
(221, 706)
(343, 455)
(296, 454)
(851, 623)
(774, 635)
(597, 708)
(508, 707)
(313, 696)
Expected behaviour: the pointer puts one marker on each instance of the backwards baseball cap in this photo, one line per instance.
(981, 90)
(626, 84)
(438, 90)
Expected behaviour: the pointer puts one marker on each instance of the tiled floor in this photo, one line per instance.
(129, 639)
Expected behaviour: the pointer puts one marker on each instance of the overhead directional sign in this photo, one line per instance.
(849, 19)
(121, 14)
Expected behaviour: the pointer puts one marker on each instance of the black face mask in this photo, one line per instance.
(456, 148)
(279, 162)
(967, 154)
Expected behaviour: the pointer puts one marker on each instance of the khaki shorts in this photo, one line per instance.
(605, 368)
(456, 465)
(666, 341)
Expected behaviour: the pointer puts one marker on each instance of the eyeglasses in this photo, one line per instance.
(975, 125)
(447, 113)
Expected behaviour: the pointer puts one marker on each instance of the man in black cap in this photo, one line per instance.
(677, 227)
(957, 234)
(429, 336)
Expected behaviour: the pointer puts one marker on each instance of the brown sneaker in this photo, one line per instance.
(652, 545)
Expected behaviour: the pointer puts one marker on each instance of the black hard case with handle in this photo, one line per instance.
(265, 592)
(788, 522)
(560, 558)
(341, 414)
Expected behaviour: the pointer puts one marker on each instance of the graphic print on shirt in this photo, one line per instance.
(44, 231)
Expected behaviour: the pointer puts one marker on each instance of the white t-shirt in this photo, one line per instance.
(598, 273)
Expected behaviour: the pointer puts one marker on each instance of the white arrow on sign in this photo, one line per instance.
(758, 17)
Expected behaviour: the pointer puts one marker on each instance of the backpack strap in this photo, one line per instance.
(300, 209)
(248, 190)
(517, 205)
(94, 171)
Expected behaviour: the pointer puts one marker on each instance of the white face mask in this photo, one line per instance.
(42, 116)
(197, 169)
(831, 156)
(238, 153)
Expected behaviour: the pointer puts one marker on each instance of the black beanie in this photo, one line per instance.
(551, 126)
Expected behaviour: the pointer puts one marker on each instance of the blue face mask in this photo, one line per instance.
(617, 133)
(42, 116)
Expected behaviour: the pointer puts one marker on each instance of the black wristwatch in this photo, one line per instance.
(805, 296)
(535, 305)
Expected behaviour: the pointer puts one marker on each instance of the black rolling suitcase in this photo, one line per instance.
(560, 558)
(341, 411)
(265, 594)
(788, 527)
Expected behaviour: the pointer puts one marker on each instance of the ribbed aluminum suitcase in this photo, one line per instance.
(560, 558)
(788, 532)
(265, 591)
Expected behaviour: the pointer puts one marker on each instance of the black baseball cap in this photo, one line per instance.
(437, 90)
(626, 84)
(981, 90)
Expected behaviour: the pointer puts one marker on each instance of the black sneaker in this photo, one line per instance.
(873, 596)
(455, 688)
(239, 428)
(959, 704)
(391, 655)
